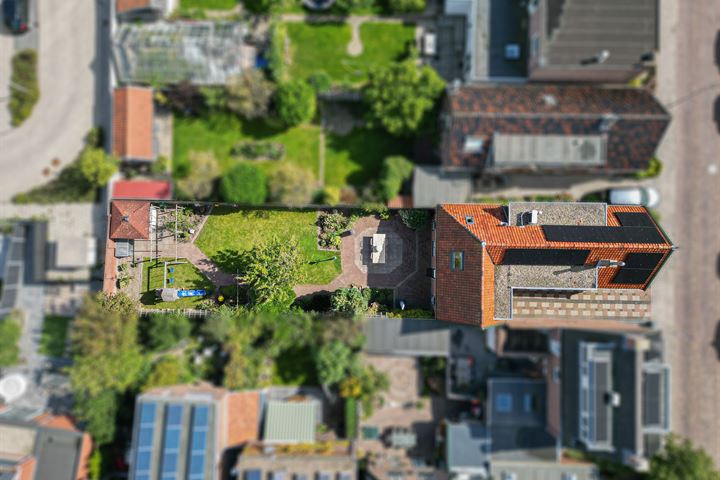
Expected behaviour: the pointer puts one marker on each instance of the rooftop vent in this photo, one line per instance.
(549, 99)
(125, 218)
(473, 145)
(469, 220)
(608, 121)
(613, 399)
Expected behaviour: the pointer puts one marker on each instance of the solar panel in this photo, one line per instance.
(632, 276)
(652, 388)
(145, 437)
(643, 260)
(594, 234)
(634, 219)
(198, 442)
(253, 475)
(602, 426)
(544, 256)
(171, 442)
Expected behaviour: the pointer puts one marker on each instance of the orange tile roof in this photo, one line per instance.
(464, 297)
(123, 6)
(129, 219)
(132, 126)
(244, 417)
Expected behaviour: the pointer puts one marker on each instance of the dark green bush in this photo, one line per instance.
(244, 184)
(276, 52)
(320, 81)
(395, 171)
(332, 225)
(166, 330)
(295, 102)
(24, 89)
(258, 150)
(414, 218)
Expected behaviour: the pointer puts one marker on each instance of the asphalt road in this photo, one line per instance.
(67, 107)
(686, 295)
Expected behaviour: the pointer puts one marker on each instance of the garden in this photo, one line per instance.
(229, 232)
(24, 88)
(178, 275)
(324, 48)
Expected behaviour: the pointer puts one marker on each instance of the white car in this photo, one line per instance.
(646, 196)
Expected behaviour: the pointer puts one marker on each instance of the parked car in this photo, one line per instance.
(646, 196)
(15, 15)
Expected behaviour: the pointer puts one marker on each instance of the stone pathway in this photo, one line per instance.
(355, 47)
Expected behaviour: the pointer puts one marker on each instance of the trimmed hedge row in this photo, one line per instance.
(24, 89)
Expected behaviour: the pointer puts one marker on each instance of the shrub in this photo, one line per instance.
(320, 81)
(168, 370)
(334, 360)
(258, 150)
(261, 6)
(351, 418)
(395, 171)
(161, 166)
(70, 186)
(165, 330)
(376, 208)
(400, 95)
(351, 300)
(414, 218)
(329, 195)
(95, 465)
(204, 170)
(216, 98)
(332, 225)
(97, 166)
(405, 6)
(185, 98)
(291, 185)
(244, 184)
(24, 89)
(95, 138)
(411, 313)
(295, 102)
(10, 331)
(271, 269)
(249, 94)
(276, 54)
(653, 170)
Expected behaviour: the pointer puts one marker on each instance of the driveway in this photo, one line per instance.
(685, 293)
(65, 112)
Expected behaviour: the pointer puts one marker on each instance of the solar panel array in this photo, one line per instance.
(595, 234)
(545, 256)
(198, 442)
(145, 436)
(638, 268)
(171, 442)
(634, 219)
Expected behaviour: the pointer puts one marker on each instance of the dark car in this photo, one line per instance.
(15, 15)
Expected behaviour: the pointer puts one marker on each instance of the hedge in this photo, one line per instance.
(351, 415)
(24, 89)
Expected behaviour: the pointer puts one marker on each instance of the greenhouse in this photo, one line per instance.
(203, 53)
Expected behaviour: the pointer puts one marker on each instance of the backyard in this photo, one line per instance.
(324, 47)
(228, 231)
(184, 276)
(351, 159)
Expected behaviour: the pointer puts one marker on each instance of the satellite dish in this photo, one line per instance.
(12, 387)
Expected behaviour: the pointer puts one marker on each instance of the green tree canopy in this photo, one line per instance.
(271, 269)
(334, 362)
(168, 370)
(406, 6)
(679, 460)
(401, 94)
(98, 412)
(165, 330)
(97, 166)
(350, 300)
(249, 94)
(245, 184)
(204, 170)
(396, 170)
(296, 102)
(292, 185)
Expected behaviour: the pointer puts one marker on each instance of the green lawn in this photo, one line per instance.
(295, 367)
(186, 276)
(228, 231)
(209, 4)
(219, 131)
(316, 47)
(356, 158)
(53, 339)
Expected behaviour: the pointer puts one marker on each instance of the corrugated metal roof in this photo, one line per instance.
(290, 422)
(407, 336)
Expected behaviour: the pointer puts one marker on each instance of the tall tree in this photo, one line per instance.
(249, 94)
(401, 94)
(679, 460)
(334, 362)
(165, 330)
(97, 166)
(296, 102)
(271, 269)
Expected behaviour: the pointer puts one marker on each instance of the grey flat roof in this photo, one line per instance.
(515, 402)
(543, 470)
(407, 336)
(431, 186)
(468, 445)
(57, 453)
(559, 213)
(521, 150)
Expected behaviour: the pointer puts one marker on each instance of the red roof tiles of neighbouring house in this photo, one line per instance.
(143, 189)
(123, 6)
(630, 122)
(132, 126)
(129, 220)
(571, 246)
